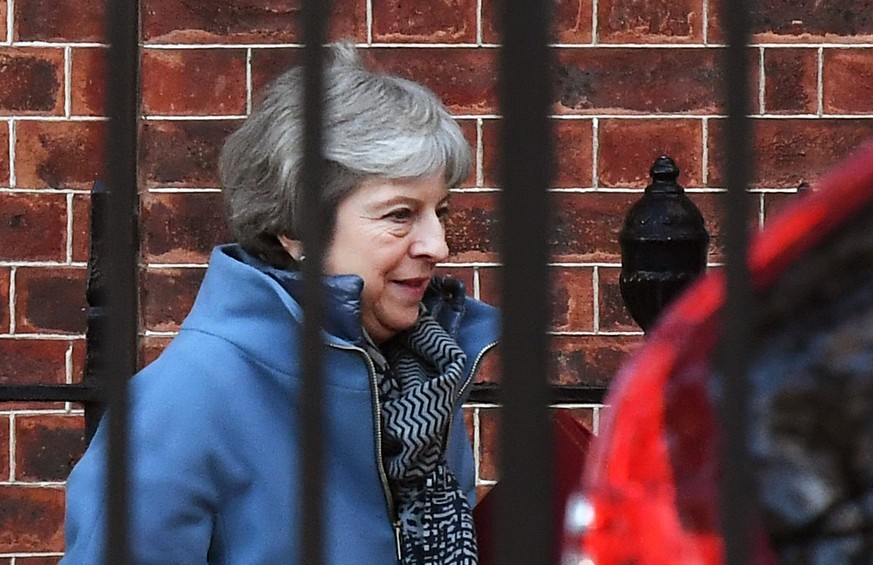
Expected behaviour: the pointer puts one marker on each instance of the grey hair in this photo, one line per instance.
(375, 125)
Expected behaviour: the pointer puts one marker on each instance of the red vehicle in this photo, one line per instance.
(649, 492)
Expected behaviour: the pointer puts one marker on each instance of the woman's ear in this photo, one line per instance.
(294, 247)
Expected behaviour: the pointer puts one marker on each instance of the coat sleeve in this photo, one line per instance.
(172, 491)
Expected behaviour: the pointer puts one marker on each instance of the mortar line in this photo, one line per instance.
(595, 152)
(13, 273)
(12, 447)
(68, 81)
(820, 82)
(249, 81)
(69, 241)
(595, 288)
(10, 21)
(12, 135)
(480, 153)
(762, 82)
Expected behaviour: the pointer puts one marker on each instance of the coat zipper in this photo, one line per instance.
(377, 412)
(473, 371)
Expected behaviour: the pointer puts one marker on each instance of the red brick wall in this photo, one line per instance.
(635, 79)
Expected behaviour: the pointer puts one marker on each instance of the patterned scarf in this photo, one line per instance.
(421, 374)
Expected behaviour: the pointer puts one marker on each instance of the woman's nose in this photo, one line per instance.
(431, 241)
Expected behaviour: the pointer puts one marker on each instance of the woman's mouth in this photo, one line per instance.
(414, 287)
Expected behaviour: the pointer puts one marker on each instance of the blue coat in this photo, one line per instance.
(215, 447)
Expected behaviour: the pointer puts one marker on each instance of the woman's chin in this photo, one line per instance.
(388, 327)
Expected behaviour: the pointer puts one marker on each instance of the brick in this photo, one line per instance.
(573, 153)
(663, 21)
(183, 154)
(151, 347)
(78, 360)
(465, 79)
(773, 21)
(4, 9)
(471, 134)
(31, 81)
(628, 147)
(789, 151)
(31, 519)
(59, 154)
(790, 81)
(33, 227)
(47, 446)
(614, 316)
(167, 296)
(5, 278)
(627, 80)
(571, 296)
(847, 79)
(571, 21)
(59, 20)
(491, 153)
(88, 70)
(32, 361)
(471, 227)
(586, 226)
(489, 440)
(267, 64)
(243, 21)
(4, 448)
(446, 21)
(572, 299)
(591, 360)
(50, 300)
(40, 560)
(81, 227)
(194, 82)
(4, 154)
(182, 227)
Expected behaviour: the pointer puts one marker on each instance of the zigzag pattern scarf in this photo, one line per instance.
(422, 373)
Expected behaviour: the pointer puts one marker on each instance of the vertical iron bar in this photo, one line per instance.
(314, 242)
(121, 247)
(736, 502)
(526, 158)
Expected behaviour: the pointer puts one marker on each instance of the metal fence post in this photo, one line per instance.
(315, 236)
(526, 169)
(121, 247)
(736, 488)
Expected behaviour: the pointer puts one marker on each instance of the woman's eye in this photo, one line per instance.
(443, 213)
(399, 215)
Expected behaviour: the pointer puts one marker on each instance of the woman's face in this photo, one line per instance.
(391, 233)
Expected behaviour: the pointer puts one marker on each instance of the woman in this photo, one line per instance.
(214, 420)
